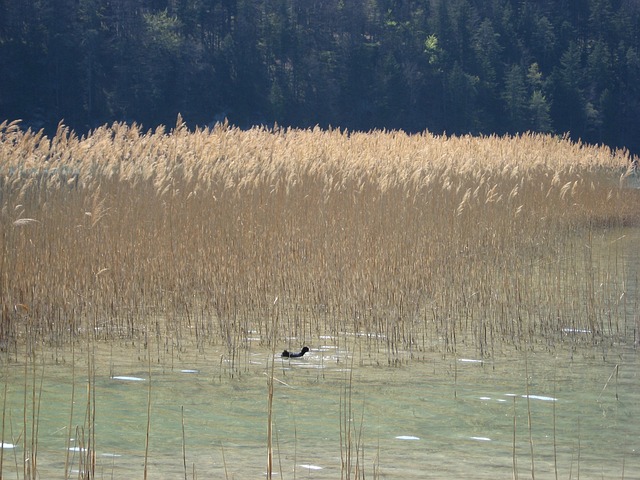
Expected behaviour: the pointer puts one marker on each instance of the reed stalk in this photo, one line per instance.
(73, 401)
(4, 411)
(148, 430)
(579, 449)
(184, 443)
(478, 235)
(350, 447)
(555, 444)
(529, 422)
(224, 462)
(514, 454)
(27, 454)
(87, 457)
(36, 409)
(270, 420)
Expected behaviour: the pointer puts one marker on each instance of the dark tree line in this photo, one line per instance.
(459, 66)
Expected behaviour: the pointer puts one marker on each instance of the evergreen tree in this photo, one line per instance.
(539, 112)
(515, 99)
(456, 65)
(569, 108)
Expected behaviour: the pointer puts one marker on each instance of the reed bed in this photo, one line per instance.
(231, 237)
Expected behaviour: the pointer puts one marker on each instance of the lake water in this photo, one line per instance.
(571, 410)
(443, 417)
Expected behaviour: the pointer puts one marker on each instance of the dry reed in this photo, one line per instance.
(416, 242)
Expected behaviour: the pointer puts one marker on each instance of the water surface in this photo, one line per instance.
(567, 408)
(439, 417)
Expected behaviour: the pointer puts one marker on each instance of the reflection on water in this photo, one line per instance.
(571, 411)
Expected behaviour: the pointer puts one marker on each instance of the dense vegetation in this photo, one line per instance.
(458, 66)
(234, 237)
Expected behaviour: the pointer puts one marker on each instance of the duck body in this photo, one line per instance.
(288, 354)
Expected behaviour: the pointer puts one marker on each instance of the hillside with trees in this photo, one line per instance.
(454, 66)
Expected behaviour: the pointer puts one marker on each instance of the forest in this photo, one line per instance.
(448, 66)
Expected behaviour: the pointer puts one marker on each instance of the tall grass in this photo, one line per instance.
(416, 242)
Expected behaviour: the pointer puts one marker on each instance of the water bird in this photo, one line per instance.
(288, 354)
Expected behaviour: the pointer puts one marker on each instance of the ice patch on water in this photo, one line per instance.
(533, 397)
(541, 397)
(576, 330)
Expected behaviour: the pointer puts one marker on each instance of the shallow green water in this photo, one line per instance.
(437, 418)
